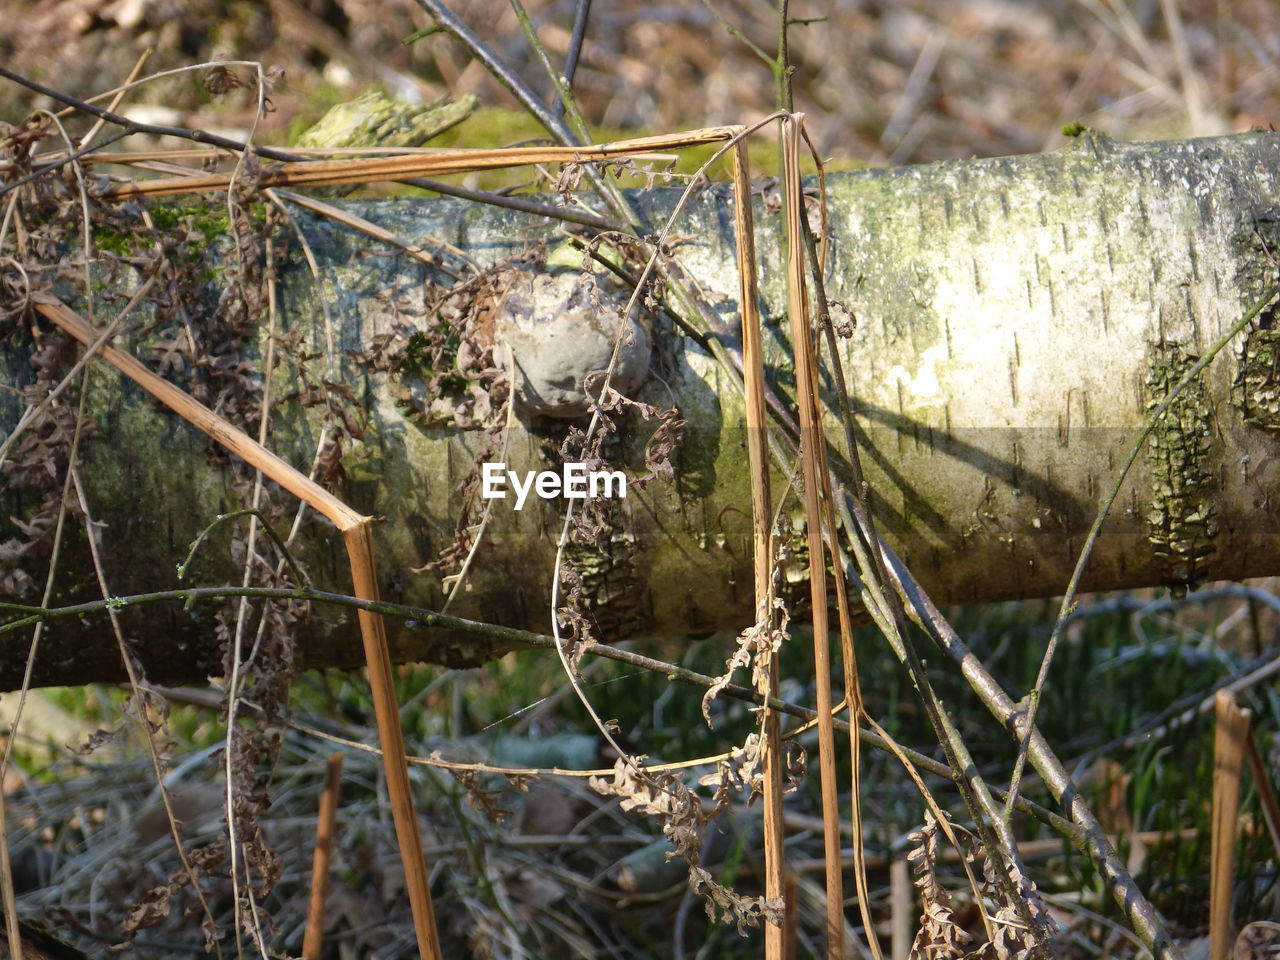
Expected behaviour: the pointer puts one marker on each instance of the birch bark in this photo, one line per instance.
(1017, 318)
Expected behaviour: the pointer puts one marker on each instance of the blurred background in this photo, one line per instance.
(882, 82)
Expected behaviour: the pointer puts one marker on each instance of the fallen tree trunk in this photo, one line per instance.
(1017, 321)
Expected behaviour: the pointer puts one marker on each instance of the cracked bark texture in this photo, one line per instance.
(1017, 320)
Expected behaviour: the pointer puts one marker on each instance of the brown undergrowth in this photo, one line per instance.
(508, 902)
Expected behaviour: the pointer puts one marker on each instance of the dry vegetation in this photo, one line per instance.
(557, 870)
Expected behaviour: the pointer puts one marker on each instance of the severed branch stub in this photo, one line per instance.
(561, 329)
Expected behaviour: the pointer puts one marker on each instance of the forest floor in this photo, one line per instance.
(564, 873)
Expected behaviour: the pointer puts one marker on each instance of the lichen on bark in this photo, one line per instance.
(1257, 385)
(1180, 519)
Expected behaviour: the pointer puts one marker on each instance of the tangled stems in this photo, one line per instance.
(419, 617)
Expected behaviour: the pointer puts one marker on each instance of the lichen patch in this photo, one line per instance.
(1181, 525)
(1256, 388)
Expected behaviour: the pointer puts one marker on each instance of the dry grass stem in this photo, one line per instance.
(777, 938)
(329, 173)
(228, 436)
(1230, 734)
(314, 935)
(234, 681)
(812, 445)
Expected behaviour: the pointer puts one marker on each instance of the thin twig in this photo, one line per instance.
(508, 637)
(568, 103)
(501, 72)
(576, 39)
(550, 120)
(776, 935)
(132, 126)
(751, 45)
(1092, 839)
(519, 203)
(356, 222)
(96, 129)
(46, 169)
(235, 654)
(299, 575)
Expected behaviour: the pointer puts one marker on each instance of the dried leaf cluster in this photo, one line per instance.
(942, 934)
(684, 821)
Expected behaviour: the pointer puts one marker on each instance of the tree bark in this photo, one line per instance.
(1017, 320)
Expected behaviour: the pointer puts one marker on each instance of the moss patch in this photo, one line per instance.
(208, 218)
